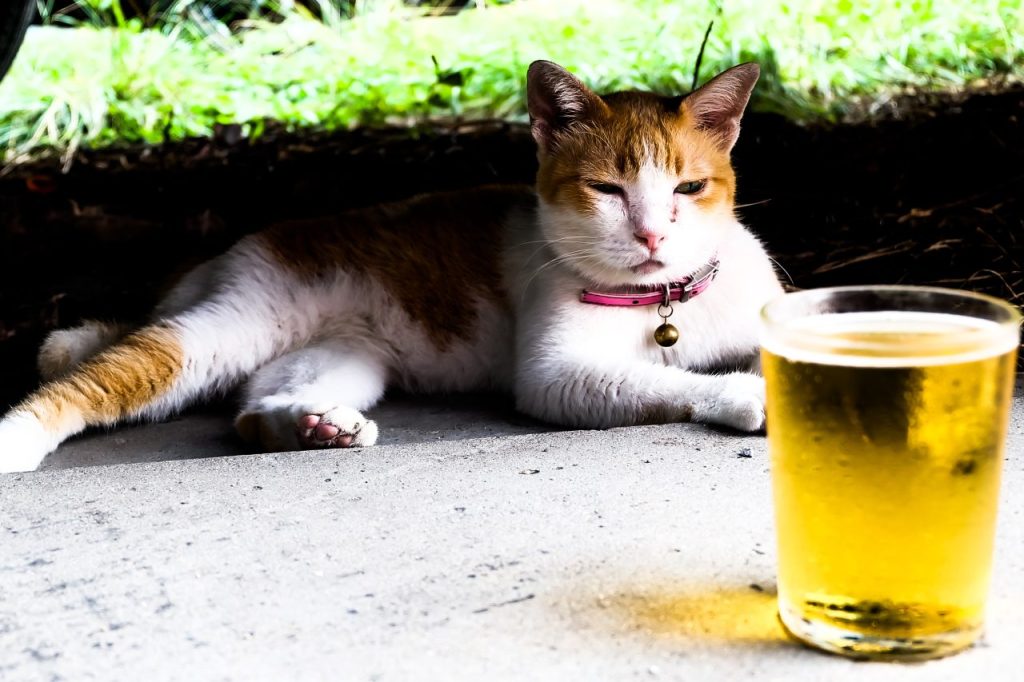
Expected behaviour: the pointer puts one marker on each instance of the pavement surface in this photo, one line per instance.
(472, 543)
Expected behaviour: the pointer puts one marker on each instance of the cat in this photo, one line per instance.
(471, 290)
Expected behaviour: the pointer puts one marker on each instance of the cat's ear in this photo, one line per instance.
(556, 99)
(717, 106)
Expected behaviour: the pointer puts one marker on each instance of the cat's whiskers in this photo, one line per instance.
(784, 271)
(752, 203)
(570, 257)
(574, 240)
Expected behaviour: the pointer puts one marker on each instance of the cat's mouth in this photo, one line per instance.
(648, 266)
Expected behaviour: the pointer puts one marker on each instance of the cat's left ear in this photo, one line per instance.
(717, 106)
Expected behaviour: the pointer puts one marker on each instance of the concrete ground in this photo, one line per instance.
(472, 543)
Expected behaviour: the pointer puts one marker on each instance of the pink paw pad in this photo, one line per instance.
(316, 432)
(326, 431)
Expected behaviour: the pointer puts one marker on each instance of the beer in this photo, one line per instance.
(886, 433)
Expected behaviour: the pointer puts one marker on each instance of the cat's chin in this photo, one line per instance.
(648, 267)
(651, 272)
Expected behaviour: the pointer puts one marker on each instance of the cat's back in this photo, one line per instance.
(456, 235)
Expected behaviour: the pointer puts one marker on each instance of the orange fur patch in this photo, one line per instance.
(634, 128)
(113, 384)
(434, 254)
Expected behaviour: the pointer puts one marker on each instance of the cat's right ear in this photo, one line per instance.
(556, 99)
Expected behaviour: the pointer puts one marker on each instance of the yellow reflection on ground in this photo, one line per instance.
(740, 615)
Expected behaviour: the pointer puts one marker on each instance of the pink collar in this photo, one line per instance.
(681, 291)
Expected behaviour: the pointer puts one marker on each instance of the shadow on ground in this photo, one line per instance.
(403, 420)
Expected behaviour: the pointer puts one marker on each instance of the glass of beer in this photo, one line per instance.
(887, 410)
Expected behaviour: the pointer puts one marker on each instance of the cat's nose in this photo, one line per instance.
(652, 240)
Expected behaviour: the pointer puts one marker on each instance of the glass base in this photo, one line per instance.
(858, 645)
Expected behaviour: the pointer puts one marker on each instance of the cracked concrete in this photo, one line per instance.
(473, 543)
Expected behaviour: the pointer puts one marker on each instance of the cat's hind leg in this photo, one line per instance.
(65, 349)
(313, 398)
(154, 371)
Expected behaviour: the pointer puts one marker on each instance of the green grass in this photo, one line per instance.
(94, 85)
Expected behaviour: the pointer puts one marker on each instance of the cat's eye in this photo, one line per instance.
(606, 188)
(691, 187)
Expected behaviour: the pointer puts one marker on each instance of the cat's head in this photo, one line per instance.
(635, 188)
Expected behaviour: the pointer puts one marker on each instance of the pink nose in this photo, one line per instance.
(651, 239)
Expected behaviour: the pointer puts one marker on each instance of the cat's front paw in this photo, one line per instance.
(305, 427)
(739, 403)
(341, 427)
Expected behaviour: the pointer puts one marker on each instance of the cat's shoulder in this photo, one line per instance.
(747, 253)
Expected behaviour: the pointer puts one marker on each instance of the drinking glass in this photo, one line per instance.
(887, 410)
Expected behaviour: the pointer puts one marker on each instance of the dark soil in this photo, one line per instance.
(934, 198)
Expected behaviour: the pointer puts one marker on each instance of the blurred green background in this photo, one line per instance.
(109, 71)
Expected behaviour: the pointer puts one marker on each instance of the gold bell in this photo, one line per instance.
(666, 335)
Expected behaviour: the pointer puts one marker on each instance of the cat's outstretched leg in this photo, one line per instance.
(575, 370)
(604, 395)
(311, 398)
(145, 370)
(162, 367)
(149, 374)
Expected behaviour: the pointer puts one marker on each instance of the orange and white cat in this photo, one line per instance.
(461, 291)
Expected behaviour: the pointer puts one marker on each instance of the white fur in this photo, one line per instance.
(597, 366)
(23, 442)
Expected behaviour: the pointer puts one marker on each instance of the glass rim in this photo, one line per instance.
(1000, 332)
